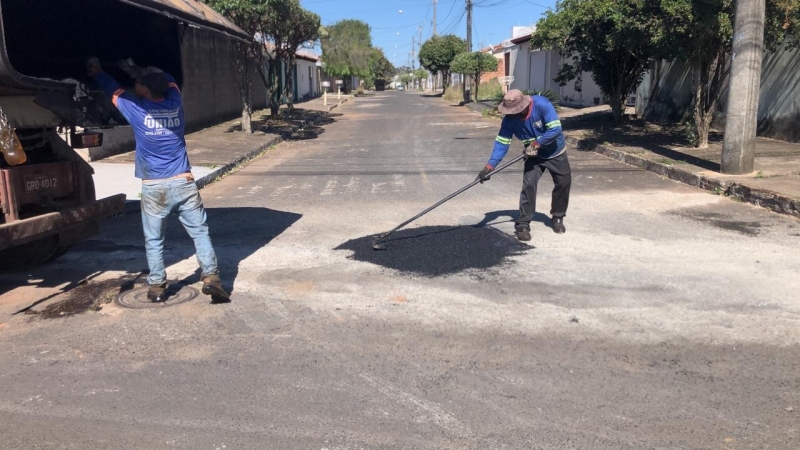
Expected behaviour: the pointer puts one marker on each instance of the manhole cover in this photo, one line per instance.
(137, 298)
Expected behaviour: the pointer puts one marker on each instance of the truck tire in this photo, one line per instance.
(27, 256)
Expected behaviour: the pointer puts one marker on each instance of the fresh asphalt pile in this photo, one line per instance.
(439, 250)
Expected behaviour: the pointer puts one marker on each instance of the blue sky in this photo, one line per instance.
(491, 20)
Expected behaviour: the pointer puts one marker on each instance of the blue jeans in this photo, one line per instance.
(159, 199)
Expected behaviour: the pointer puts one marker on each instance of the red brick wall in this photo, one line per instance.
(500, 72)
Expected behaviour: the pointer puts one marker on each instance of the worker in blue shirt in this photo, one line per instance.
(533, 120)
(155, 112)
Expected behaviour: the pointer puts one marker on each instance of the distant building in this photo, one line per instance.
(536, 70)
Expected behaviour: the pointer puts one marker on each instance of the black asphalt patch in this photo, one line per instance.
(439, 250)
(747, 228)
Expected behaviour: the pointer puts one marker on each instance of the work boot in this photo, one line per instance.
(558, 225)
(213, 286)
(523, 234)
(157, 293)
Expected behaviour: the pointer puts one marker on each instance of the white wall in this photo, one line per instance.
(518, 66)
(537, 71)
(544, 67)
(307, 82)
(590, 92)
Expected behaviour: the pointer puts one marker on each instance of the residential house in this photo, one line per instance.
(536, 70)
(307, 77)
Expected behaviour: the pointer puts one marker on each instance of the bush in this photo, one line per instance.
(548, 94)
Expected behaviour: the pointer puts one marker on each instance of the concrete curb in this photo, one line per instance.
(477, 107)
(332, 107)
(218, 173)
(760, 197)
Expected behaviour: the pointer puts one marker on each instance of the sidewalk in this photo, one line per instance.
(774, 184)
(217, 150)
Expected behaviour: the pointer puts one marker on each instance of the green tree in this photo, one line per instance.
(438, 52)
(347, 49)
(285, 27)
(700, 32)
(474, 64)
(249, 16)
(421, 74)
(279, 28)
(406, 79)
(615, 40)
(297, 27)
(380, 68)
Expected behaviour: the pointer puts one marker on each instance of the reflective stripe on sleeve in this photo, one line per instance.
(553, 124)
(503, 140)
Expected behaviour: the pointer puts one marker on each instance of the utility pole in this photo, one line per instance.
(741, 115)
(413, 50)
(467, 84)
(434, 17)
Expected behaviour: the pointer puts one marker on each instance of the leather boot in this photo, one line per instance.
(157, 292)
(213, 286)
(523, 234)
(558, 225)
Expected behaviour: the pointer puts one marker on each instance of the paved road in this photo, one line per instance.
(665, 318)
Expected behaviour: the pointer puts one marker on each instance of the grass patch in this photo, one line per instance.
(490, 90)
(453, 94)
(491, 113)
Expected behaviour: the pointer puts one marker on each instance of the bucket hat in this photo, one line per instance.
(514, 102)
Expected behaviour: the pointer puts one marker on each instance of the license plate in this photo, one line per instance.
(41, 182)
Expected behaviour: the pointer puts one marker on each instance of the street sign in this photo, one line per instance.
(339, 82)
(326, 84)
(506, 80)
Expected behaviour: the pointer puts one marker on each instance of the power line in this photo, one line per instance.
(451, 10)
(452, 27)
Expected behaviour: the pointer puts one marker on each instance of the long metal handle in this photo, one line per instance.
(444, 200)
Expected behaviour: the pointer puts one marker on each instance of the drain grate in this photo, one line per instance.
(137, 298)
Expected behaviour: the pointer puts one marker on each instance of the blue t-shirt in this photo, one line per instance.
(158, 127)
(542, 125)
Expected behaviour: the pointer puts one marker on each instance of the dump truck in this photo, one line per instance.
(48, 202)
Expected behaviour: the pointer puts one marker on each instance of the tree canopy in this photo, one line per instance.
(347, 48)
(278, 28)
(700, 32)
(438, 52)
(615, 40)
(380, 68)
(474, 64)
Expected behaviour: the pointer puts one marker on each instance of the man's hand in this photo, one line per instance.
(531, 151)
(484, 175)
(93, 67)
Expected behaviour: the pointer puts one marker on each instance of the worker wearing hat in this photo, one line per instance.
(534, 121)
(155, 112)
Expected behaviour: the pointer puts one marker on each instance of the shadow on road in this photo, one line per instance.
(236, 233)
(439, 250)
(512, 215)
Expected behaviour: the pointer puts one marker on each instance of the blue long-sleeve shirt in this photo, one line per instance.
(542, 125)
(158, 127)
